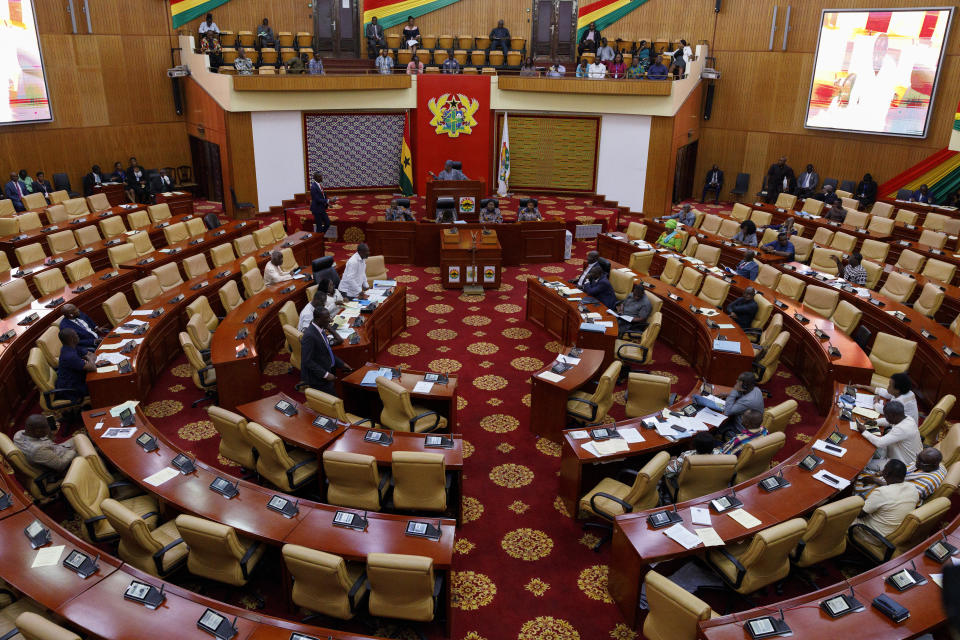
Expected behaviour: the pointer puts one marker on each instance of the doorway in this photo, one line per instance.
(205, 156)
(336, 27)
(683, 178)
(554, 29)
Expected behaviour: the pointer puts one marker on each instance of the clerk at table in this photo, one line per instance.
(39, 449)
(273, 273)
(354, 280)
(317, 360)
(529, 213)
(86, 329)
(73, 367)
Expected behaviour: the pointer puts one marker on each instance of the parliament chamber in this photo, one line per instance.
(479, 320)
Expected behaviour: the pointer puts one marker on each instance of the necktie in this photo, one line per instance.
(326, 343)
(18, 189)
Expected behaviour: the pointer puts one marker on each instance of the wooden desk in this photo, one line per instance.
(365, 401)
(636, 545)
(470, 257)
(928, 252)
(548, 400)
(297, 430)
(18, 499)
(466, 196)
(115, 192)
(950, 308)
(178, 201)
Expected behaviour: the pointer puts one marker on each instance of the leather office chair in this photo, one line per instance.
(159, 552)
(672, 271)
(288, 314)
(906, 216)
(142, 243)
(112, 226)
(768, 276)
(288, 470)
(217, 552)
(293, 340)
(332, 407)
(881, 226)
(700, 475)
(636, 231)
(324, 583)
(786, 201)
(934, 421)
(400, 414)
(15, 295)
(248, 264)
(756, 455)
(915, 528)
(159, 212)
(741, 212)
(613, 497)
(910, 261)
(354, 481)
(252, 283)
(591, 408)
(826, 533)
(791, 287)
(263, 238)
(324, 269)
(898, 287)
(34, 201)
(87, 236)
(204, 376)
(890, 355)
(4, 262)
(711, 224)
(201, 307)
(761, 218)
(278, 231)
(812, 206)
(707, 254)
(122, 487)
(168, 276)
(419, 481)
(35, 627)
(58, 196)
(640, 261)
(728, 229)
(61, 242)
(874, 273)
(222, 254)
(376, 269)
(49, 281)
(955, 325)
(199, 333)
(949, 485)
(230, 296)
(843, 242)
(621, 282)
(29, 221)
(714, 291)
(929, 300)
(778, 417)
(875, 250)
(939, 270)
(29, 253)
(195, 227)
(76, 207)
(803, 248)
(690, 280)
(765, 364)
(646, 394)
(765, 338)
(821, 300)
(763, 560)
(846, 317)
(147, 289)
(244, 245)
(882, 210)
(847, 200)
(121, 253)
(949, 446)
(85, 490)
(674, 613)
(175, 233)
(857, 219)
(49, 345)
(195, 266)
(43, 484)
(234, 444)
(117, 309)
(402, 586)
(935, 221)
(690, 246)
(933, 239)
(760, 320)
(822, 260)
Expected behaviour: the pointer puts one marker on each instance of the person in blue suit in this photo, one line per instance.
(599, 287)
(88, 333)
(319, 203)
(921, 195)
(15, 191)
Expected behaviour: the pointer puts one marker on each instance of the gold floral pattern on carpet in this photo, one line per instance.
(353, 234)
(163, 408)
(463, 546)
(403, 349)
(473, 635)
(439, 309)
(470, 590)
(554, 347)
(472, 509)
(537, 587)
(412, 321)
(508, 308)
(196, 431)
(505, 447)
(526, 364)
(589, 540)
(444, 365)
(527, 544)
(461, 402)
(799, 393)
(493, 402)
(499, 423)
(548, 447)
(434, 288)
(441, 334)
(561, 507)
(518, 506)
(225, 462)
(593, 582)
(552, 269)
(177, 388)
(511, 476)
(623, 632)
(674, 379)
(516, 333)
(490, 382)
(406, 279)
(483, 348)
(477, 321)
(412, 297)
(547, 628)
(526, 399)
(466, 297)
(679, 360)
(468, 449)
(276, 368)
(182, 371)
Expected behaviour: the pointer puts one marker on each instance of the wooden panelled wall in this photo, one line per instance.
(109, 91)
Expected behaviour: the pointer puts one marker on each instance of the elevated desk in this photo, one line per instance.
(548, 400)
(470, 257)
(115, 192)
(178, 201)
(466, 196)
(365, 401)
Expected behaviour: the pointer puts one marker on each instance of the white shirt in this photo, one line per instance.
(597, 70)
(354, 279)
(908, 400)
(583, 276)
(306, 316)
(888, 505)
(902, 440)
(212, 27)
(272, 274)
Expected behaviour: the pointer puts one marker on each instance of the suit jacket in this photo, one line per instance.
(315, 361)
(318, 199)
(87, 342)
(374, 32)
(919, 196)
(868, 189)
(602, 290)
(775, 176)
(134, 184)
(719, 177)
(89, 181)
(159, 186)
(814, 183)
(42, 186)
(10, 190)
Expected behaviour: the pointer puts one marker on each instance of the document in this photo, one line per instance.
(591, 448)
(831, 480)
(579, 435)
(568, 360)
(611, 447)
(120, 432)
(112, 358)
(624, 318)
(345, 333)
(667, 431)
(743, 518)
(422, 387)
(141, 312)
(47, 557)
(709, 537)
(709, 313)
(108, 369)
(682, 536)
(868, 414)
(113, 346)
(550, 376)
(865, 400)
(726, 346)
(120, 408)
(711, 417)
(384, 284)
(699, 515)
(830, 449)
(98, 426)
(161, 476)
(938, 578)
(631, 435)
(726, 326)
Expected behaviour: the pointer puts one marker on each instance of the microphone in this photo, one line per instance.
(162, 587)
(781, 615)
(236, 485)
(233, 624)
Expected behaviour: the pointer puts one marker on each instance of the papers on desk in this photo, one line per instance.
(351, 304)
(622, 317)
(112, 358)
(830, 449)
(709, 537)
(120, 432)
(141, 312)
(370, 377)
(630, 435)
(550, 376)
(98, 426)
(47, 557)
(726, 326)
(422, 387)
(120, 408)
(708, 312)
(569, 291)
(595, 327)
(865, 400)
(592, 316)
(743, 518)
(864, 412)
(161, 476)
(108, 369)
(862, 292)
(611, 447)
(831, 480)
(726, 346)
(937, 578)
(711, 417)
(682, 536)
(345, 333)
(384, 284)
(568, 360)
(579, 435)
(699, 515)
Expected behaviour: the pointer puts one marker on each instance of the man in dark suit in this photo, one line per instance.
(86, 329)
(137, 184)
(598, 286)
(161, 183)
(921, 195)
(713, 182)
(780, 179)
(42, 185)
(92, 180)
(317, 360)
(319, 203)
(14, 190)
(375, 39)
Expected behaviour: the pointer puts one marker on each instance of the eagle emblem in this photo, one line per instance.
(453, 115)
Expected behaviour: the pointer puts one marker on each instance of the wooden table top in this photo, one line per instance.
(578, 375)
(298, 429)
(408, 380)
(352, 441)
(37, 235)
(177, 252)
(470, 239)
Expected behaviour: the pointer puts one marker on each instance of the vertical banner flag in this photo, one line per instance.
(406, 160)
(503, 170)
(603, 12)
(183, 11)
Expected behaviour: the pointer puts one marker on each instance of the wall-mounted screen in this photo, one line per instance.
(22, 79)
(876, 70)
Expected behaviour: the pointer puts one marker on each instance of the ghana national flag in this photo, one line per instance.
(406, 161)
(393, 12)
(604, 13)
(183, 11)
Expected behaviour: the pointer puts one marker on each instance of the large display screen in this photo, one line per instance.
(22, 79)
(876, 71)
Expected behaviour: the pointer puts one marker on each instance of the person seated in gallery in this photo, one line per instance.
(399, 211)
(490, 214)
(375, 37)
(265, 35)
(589, 40)
(530, 212)
(658, 71)
(411, 34)
(450, 65)
(500, 38)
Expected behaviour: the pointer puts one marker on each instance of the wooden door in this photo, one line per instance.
(683, 177)
(554, 29)
(336, 27)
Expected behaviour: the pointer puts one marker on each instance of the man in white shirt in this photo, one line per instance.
(901, 390)
(901, 442)
(273, 273)
(592, 257)
(887, 505)
(209, 25)
(597, 70)
(354, 279)
(306, 316)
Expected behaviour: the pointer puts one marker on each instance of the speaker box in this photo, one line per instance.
(716, 6)
(708, 103)
(177, 100)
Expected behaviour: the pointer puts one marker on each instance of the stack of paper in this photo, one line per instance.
(743, 518)
(112, 358)
(709, 537)
(140, 312)
(865, 400)
(711, 417)
(568, 360)
(630, 435)
(595, 327)
(422, 387)
(161, 476)
(700, 515)
(550, 376)
(47, 557)
(384, 284)
(726, 346)
(821, 445)
(579, 435)
(831, 480)
(682, 536)
(611, 446)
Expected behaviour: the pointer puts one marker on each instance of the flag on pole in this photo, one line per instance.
(406, 161)
(503, 170)
(183, 11)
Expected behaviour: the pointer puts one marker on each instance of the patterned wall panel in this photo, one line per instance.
(354, 150)
(555, 153)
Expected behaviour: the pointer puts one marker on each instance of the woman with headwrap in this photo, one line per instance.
(671, 238)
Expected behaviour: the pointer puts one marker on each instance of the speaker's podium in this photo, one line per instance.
(470, 258)
(466, 196)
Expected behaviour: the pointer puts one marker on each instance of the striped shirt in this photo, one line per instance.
(737, 442)
(855, 274)
(926, 482)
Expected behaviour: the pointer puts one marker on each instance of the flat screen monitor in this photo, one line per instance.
(24, 96)
(876, 70)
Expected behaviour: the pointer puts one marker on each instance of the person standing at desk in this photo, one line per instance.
(449, 173)
(599, 287)
(354, 280)
(39, 449)
(87, 331)
(319, 203)
(318, 361)
(273, 273)
(73, 367)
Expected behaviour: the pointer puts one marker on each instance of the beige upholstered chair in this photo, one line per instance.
(29, 253)
(159, 551)
(175, 233)
(636, 231)
(196, 266)
(949, 447)
(147, 289)
(15, 295)
(761, 218)
(672, 271)
(244, 245)
(756, 455)
(766, 363)
(230, 296)
(195, 227)
(934, 422)
(199, 333)
(843, 242)
(263, 238)
(49, 345)
(949, 485)
(770, 332)
(159, 212)
(768, 276)
(168, 276)
(76, 207)
(890, 355)
(279, 233)
(674, 613)
(646, 393)
(690, 280)
(898, 287)
(714, 291)
(252, 283)
(402, 586)
(324, 582)
(703, 474)
(234, 444)
(248, 264)
(791, 287)
(121, 253)
(910, 261)
(591, 408)
(708, 254)
(777, 418)
(803, 248)
(611, 498)
(419, 481)
(881, 226)
(204, 376)
(43, 484)
(929, 300)
(622, 283)
(79, 269)
(882, 210)
(35, 627)
(222, 254)
(761, 561)
(711, 224)
(117, 308)
(61, 242)
(49, 282)
(933, 239)
(85, 490)
(400, 414)
(906, 216)
(376, 269)
(34, 201)
(640, 261)
(294, 340)
(86, 236)
(786, 201)
(201, 307)
(874, 273)
(332, 407)
(915, 528)
(740, 212)
(826, 534)
(112, 226)
(822, 260)
(217, 552)
(354, 480)
(288, 470)
(939, 270)
(846, 317)
(142, 243)
(856, 219)
(821, 300)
